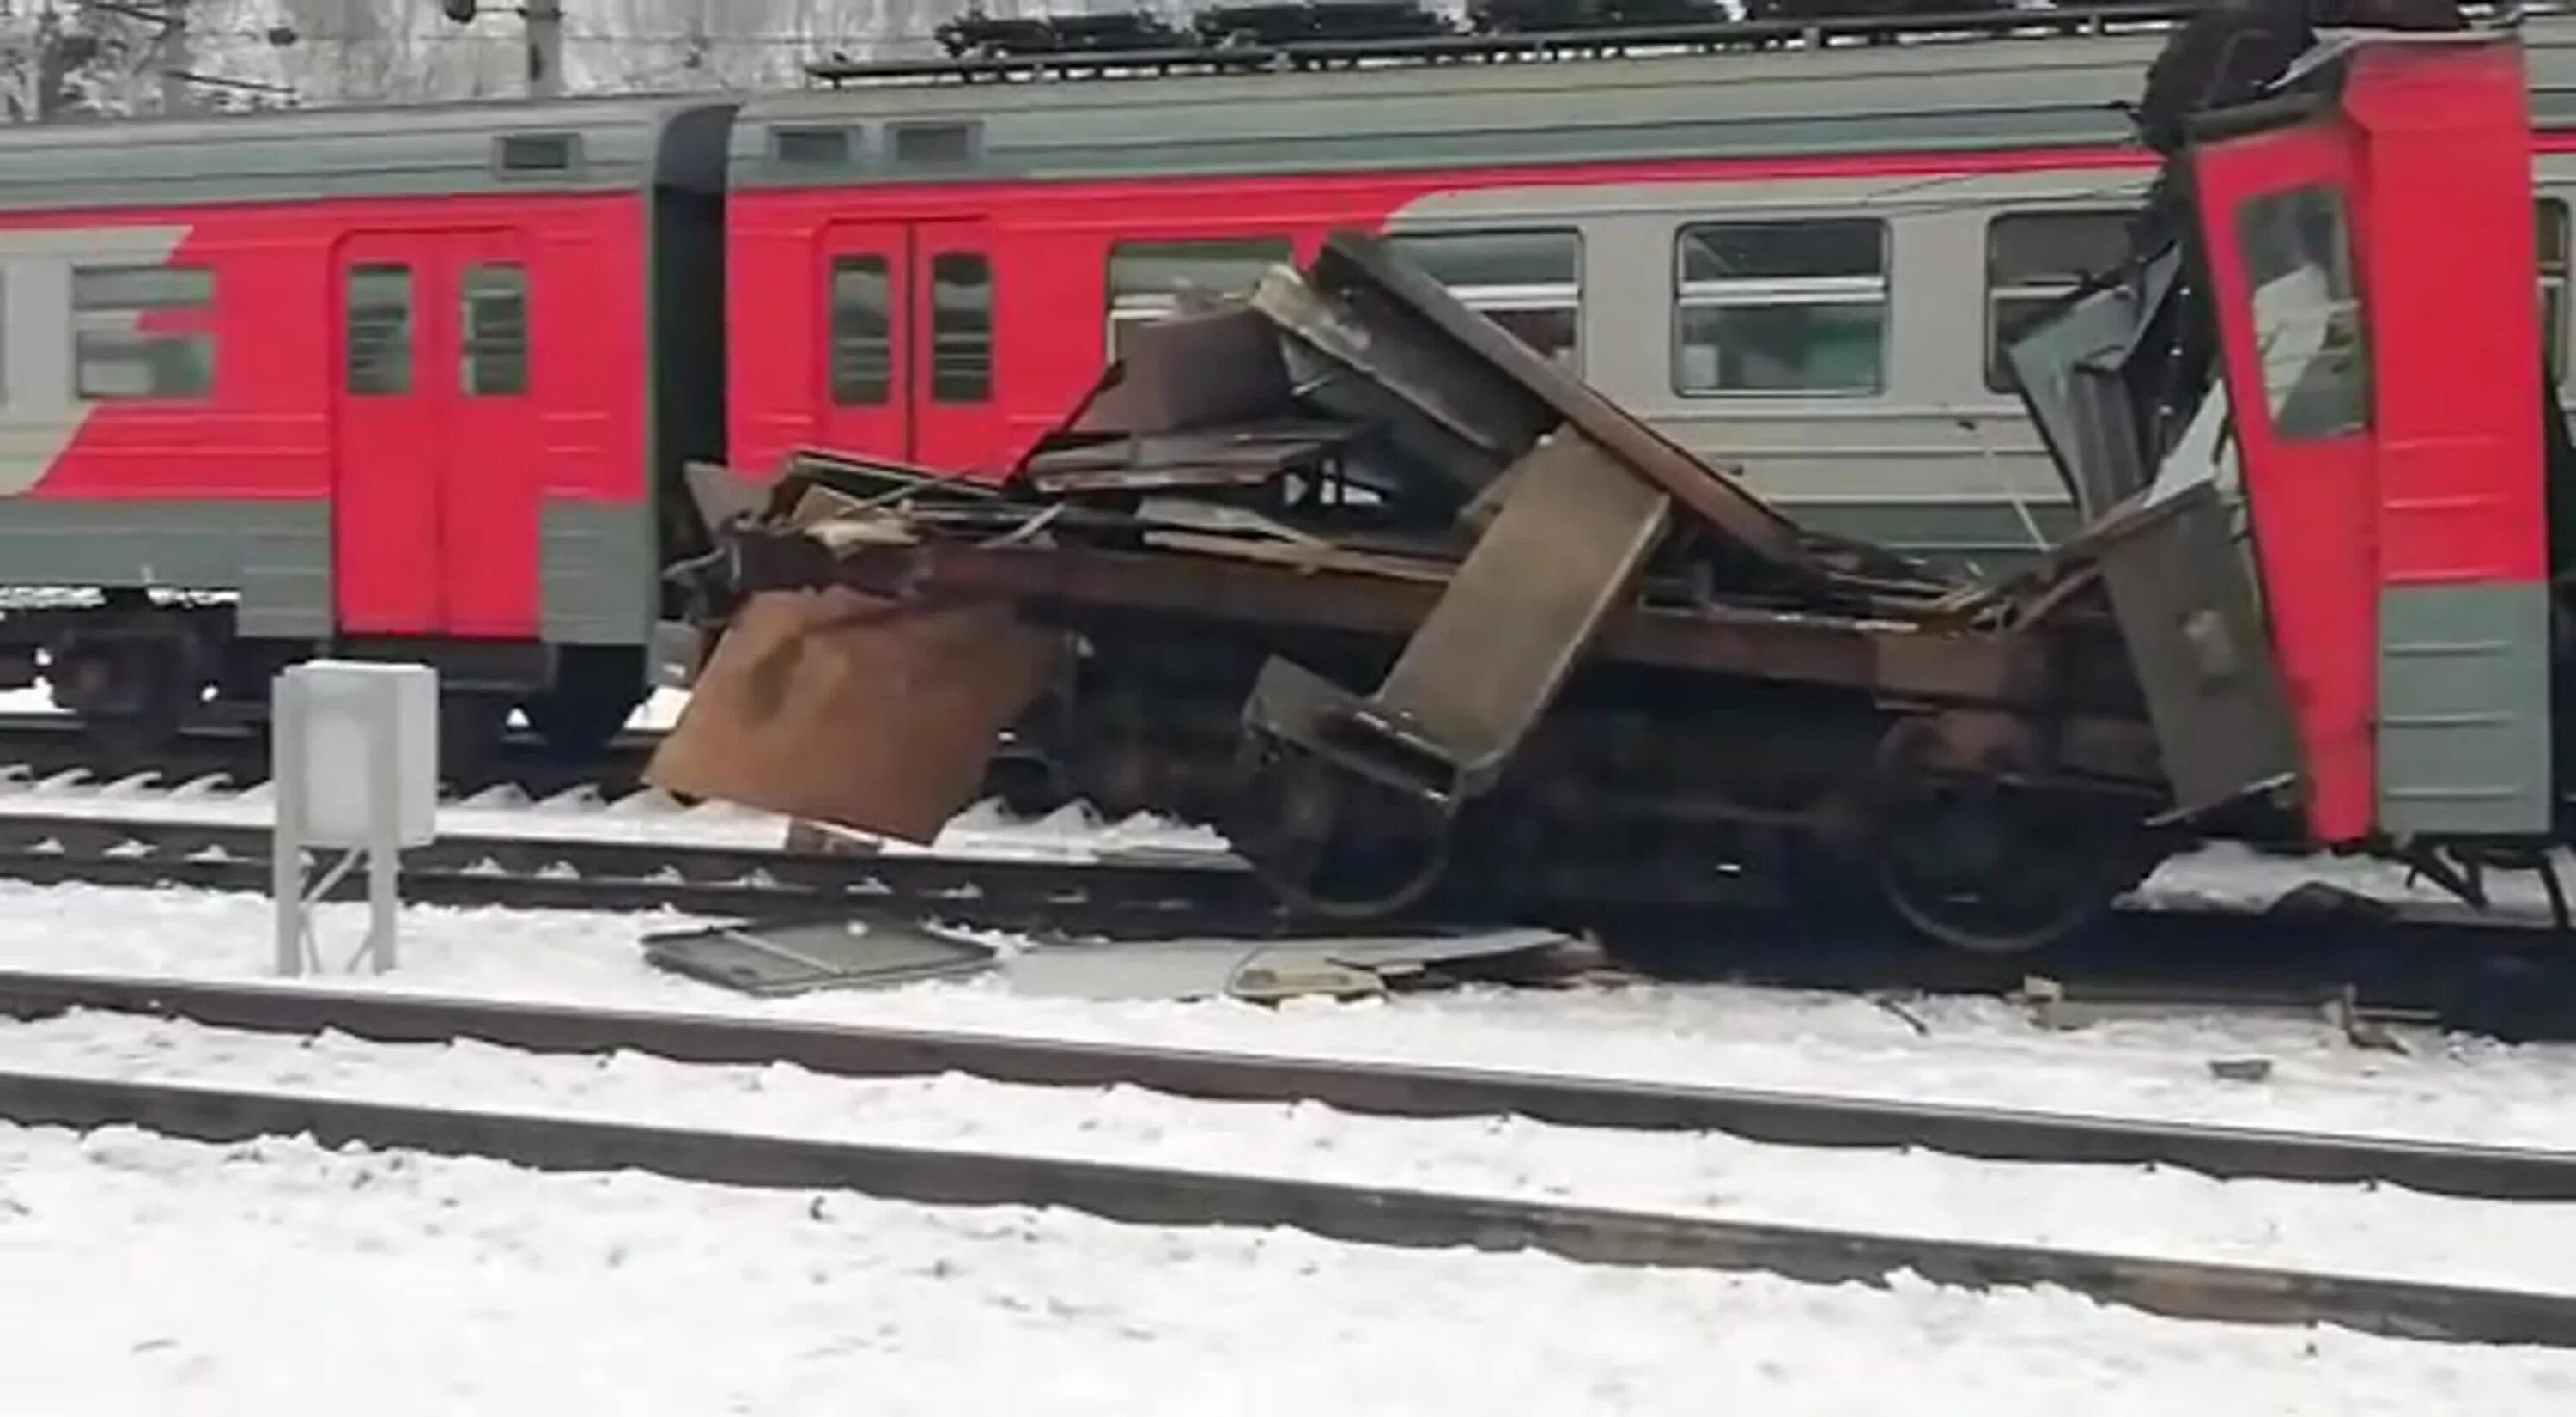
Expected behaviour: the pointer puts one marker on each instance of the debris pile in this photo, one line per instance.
(1591, 650)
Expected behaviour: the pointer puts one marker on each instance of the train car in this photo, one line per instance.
(2321, 600)
(397, 381)
(422, 381)
(1771, 253)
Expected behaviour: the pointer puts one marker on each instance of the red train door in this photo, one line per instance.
(385, 458)
(434, 486)
(906, 368)
(955, 422)
(489, 482)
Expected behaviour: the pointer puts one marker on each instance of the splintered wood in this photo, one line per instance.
(840, 707)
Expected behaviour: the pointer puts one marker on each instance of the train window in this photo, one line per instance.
(1146, 278)
(515, 153)
(1781, 307)
(934, 144)
(862, 359)
(2032, 260)
(961, 327)
(2307, 315)
(379, 330)
(113, 357)
(1528, 282)
(812, 147)
(494, 299)
(2552, 217)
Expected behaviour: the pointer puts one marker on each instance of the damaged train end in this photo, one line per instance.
(1418, 619)
(2340, 349)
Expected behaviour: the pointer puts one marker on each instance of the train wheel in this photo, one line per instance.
(470, 729)
(1977, 863)
(596, 690)
(1974, 869)
(1333, 845)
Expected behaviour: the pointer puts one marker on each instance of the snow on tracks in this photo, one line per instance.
(1688, 1198)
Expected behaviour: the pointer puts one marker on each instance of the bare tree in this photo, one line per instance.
(355, 51)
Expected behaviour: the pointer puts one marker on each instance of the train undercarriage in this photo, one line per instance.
(1605, 674)
(1414, 616)
(140, 667)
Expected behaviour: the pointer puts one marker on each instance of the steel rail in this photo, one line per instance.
(48, 745)
(1113, 896)
(1374, 1089)
(1147, 1195)
(2500, 979)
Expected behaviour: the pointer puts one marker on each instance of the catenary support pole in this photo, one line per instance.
(545, 48)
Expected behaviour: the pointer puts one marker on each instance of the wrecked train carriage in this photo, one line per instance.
(1411, 613)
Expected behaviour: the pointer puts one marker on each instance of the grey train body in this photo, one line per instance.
(1901, 433)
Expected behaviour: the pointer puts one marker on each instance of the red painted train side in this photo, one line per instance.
(676, 290)
(435, 472)
(1045, 249)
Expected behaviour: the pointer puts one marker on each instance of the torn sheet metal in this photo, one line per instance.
(868, 949)
(853, 710)
(1186, 372)
(1453, 418)
(2188, 613)
(1234, 457)
(1351, 263)
(777, 959)
(1509, 628)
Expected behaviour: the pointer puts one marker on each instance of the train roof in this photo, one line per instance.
(2020, 80)
(2013, 81)
(512, 145)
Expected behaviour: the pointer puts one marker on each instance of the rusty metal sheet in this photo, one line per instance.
(881, 480)
(723, 495)
(1449, 418)
(1304, 556)
(1350, 262)
(1562, 553)
(1233, 457)
(1220, 518)
(2196, 640)
(853, 710)
(1189, 371)
(1821, 649)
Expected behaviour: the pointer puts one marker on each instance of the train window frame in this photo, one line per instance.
(814, 147)
(973, 378)
(1997, 374)
(1126, 308)
(493, 365)
(2554, 266)
(1774, 291)
(377, 361)
(2328, 395)
(538, 154)
(845, 383)
(935, 143)
(108, 327)
(1506, 298)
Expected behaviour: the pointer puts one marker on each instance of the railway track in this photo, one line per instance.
(2495, 979)
(1369, 1089)
(1365, 1214)
(650, 873)
(39, 746)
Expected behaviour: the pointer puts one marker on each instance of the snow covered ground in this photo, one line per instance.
(129, 1257)
(149, 1277)
(1969, 1050)
(2388, 1231)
